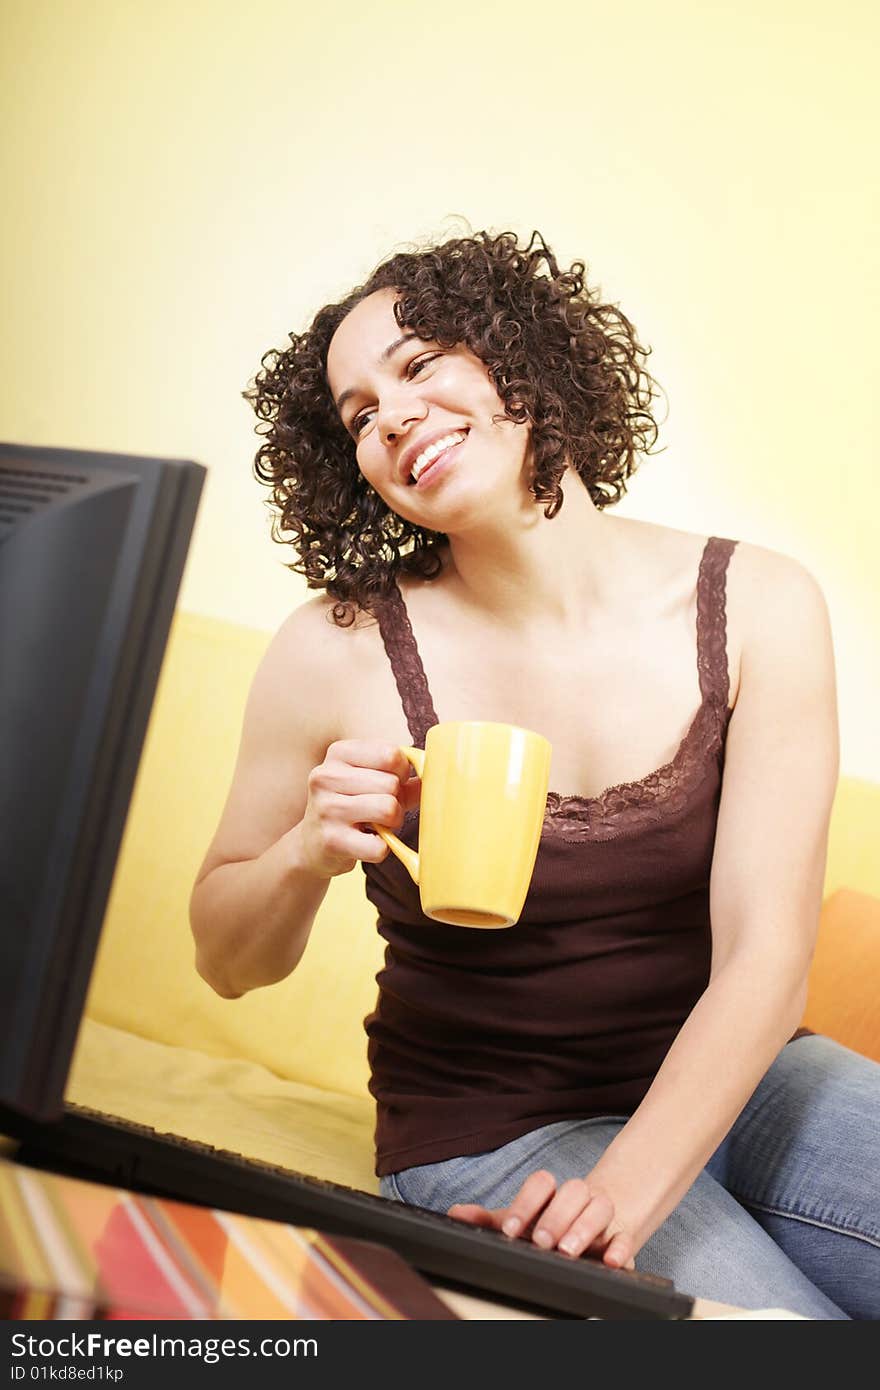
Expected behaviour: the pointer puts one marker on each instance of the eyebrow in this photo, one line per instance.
(383, 357)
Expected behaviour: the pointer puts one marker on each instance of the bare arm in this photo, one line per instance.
(781, 767)
(292, 818)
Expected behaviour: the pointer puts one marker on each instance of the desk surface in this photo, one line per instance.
(705, 1310)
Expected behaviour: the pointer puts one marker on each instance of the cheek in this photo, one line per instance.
(375, 471)
(490, 406)
(365, 458)
(485, 397)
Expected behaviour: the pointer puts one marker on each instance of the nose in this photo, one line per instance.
(396, 414)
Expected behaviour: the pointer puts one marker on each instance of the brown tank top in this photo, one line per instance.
(480, 1036)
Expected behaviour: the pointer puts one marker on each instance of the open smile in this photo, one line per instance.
(429, 466)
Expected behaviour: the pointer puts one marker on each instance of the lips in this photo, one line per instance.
(420, 445)
(439, 465)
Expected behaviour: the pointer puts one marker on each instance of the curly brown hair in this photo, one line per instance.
(558, 357)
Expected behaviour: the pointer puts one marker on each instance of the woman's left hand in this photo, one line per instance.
(578, 1217)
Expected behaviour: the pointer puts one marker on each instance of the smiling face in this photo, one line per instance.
(421, 417)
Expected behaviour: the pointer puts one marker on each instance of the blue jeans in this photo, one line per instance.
(786, 1213)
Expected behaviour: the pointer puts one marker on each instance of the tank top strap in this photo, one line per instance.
(406, 664)
(712, 622)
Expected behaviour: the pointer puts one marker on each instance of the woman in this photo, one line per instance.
(618, 1073)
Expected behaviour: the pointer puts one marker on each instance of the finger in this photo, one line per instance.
(475, 1215)
(349, 842)
(372, 810)
(359, 752)
(531, 1199)
(350, 780)
(619, 1254)
(566, 1208)
(589, 1229)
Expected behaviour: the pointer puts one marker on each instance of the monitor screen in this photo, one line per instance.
(92, 550)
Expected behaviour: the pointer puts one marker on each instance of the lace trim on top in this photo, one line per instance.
(625, 807)
(406, 663)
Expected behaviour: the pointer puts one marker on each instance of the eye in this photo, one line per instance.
(420, 362)
(412, 370)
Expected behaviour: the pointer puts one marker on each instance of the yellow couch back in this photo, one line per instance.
(307, 1028)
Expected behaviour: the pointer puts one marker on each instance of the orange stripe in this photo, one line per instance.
(321, 1291)
(246, 1287)
(291, 1262)
(198, 1243)
(200, 1231)
(89, 1208)
(317, 1292)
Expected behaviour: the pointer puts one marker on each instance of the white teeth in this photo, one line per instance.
(428, 455)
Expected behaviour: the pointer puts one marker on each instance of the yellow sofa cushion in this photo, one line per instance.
(308, 1028)
(227, 1103)
(844, 998)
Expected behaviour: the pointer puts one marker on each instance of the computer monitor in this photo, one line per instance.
(92, 550)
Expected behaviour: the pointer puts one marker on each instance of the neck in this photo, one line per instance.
(521, 569)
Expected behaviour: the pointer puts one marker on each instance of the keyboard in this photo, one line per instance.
(107, 1149)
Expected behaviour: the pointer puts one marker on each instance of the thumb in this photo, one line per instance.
(474, 1214)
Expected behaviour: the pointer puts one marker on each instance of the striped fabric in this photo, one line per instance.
(74, 1249)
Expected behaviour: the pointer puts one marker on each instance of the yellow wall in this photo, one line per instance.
(185, 182)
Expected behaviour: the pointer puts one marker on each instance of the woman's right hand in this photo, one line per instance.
(360, 782)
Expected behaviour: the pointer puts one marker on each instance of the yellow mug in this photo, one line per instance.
(483, 798)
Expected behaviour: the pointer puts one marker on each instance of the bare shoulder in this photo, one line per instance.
(295, 711)
(768, 588)
(775, 608)
(752, 567)
(306, 669)
(780, 611)
(310, 642)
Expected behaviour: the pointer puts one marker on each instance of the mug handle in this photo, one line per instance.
(408, 857)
